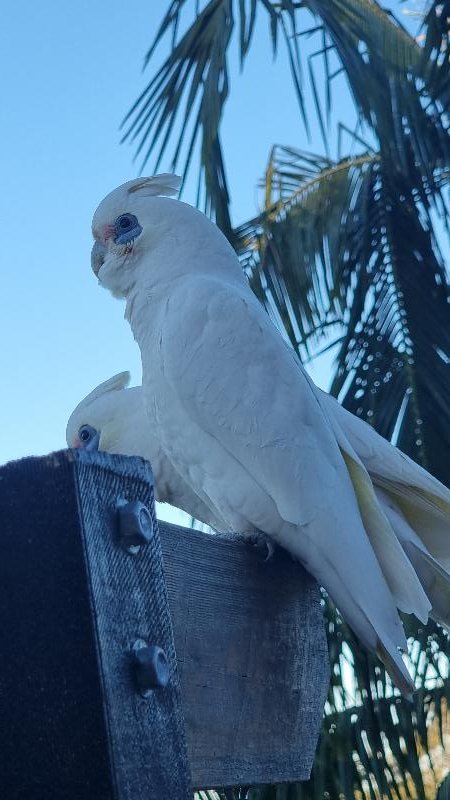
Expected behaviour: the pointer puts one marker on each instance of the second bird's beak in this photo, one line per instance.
(93, 443)
(98, 256)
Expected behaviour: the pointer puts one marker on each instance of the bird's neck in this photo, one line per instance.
(140, 313)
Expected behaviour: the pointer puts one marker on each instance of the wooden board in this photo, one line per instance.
(252, 658)
(73, 724)
(250, 649)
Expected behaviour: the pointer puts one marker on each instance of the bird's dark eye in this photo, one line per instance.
(86, 433)
(127, 228)
(125, 223)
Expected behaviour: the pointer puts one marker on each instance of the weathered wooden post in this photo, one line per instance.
(97, 637)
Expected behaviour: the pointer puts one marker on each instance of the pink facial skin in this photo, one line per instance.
(108, 232)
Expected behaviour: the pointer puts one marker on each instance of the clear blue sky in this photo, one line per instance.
(70, 72)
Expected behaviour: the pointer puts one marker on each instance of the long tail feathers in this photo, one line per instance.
(405, 586)
(435, 580)
(433, 575)
(427, 515)
(397, 669)
(406, 515)
(418, 582)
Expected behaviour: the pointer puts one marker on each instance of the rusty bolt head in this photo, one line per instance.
(135, 524)
(151, 666)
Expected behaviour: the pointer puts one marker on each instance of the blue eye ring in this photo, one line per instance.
(86, 433)
(89, 437)
(126, 228)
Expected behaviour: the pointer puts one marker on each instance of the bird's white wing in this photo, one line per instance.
(237, 382)
(424, 501)
(433, 577)
(382, 459)
(171, 488)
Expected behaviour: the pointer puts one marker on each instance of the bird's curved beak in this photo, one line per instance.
(93, 443)
(98, 254)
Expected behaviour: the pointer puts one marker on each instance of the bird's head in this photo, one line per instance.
(143, 236)
(126, 224)
(102, 421)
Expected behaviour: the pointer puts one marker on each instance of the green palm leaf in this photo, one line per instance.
(293, 249)
(349, 249)
(196, 74)
(382, 62)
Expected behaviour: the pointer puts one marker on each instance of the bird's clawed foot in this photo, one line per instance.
(264, 544)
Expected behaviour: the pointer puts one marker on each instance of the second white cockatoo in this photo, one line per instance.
(112, 418)
(242, 422)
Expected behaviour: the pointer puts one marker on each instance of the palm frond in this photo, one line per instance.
(393, 365)
(349, 249)
(194, 81)
(394, 87)
(194, 74)
(383, 64)
(373, 736)
(436, 53)
(293, 248)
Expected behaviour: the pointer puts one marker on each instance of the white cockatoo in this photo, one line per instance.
(112, 418)
(242, 422)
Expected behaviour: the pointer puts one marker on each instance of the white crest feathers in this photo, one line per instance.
(165, 184)
(113, 384)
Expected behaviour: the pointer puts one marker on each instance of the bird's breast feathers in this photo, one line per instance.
(225, 386)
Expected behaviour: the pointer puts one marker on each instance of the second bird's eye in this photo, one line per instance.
(127, 228)
(125, 222)
(86, 433)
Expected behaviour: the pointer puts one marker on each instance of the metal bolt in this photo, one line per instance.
(135, 524)
(151, 667)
